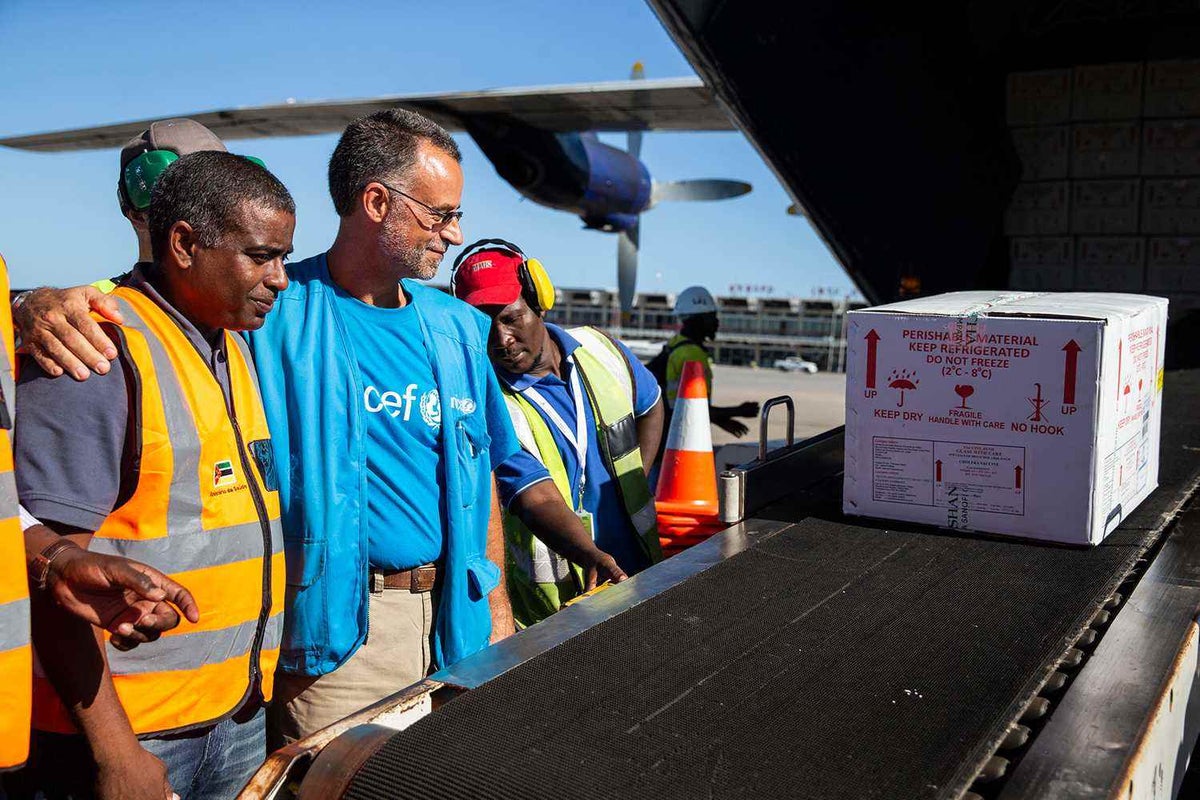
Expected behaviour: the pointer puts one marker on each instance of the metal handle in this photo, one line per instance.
(765, 414)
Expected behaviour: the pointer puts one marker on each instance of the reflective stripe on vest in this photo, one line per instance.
(539, 579)
(600, 358)
(15, 654)
(202, 513)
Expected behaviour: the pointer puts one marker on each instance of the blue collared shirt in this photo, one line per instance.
(614, 532)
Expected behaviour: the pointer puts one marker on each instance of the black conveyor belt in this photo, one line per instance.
(835, 659)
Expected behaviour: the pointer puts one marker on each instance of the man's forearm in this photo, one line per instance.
(71, 652)
(649, 433)
(726, 412)
(501, 608)
(37, 539)
(547, 516)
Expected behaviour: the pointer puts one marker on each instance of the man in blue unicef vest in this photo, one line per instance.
(381, 399)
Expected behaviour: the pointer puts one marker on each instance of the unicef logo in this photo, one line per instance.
(431, 408)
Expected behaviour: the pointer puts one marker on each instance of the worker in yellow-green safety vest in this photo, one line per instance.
(578, 508)
(696, 309)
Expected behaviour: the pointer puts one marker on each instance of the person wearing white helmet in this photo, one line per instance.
(695, 300)
(696, 309)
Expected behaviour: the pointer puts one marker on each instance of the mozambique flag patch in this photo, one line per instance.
(223, 474)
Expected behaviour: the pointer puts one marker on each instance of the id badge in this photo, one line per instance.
(586, 518)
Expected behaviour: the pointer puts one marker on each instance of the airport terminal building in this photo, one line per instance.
(754, 330)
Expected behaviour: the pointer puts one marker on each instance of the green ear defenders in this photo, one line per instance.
(536, 286)
(140, 175)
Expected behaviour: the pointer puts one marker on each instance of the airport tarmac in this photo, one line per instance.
(820, 401)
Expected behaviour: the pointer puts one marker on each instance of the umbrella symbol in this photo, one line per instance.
(903, 380)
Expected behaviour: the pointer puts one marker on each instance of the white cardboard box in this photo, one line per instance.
(1107, 91)
(1044, 263)
(1171, 147)
(1041, 208)
(1171, 206)
(1045, 152)
(1039, 98)
(1173, 264)
(1107, 206)
(1111, 263)
(1105, 149)
(1026, 414)
(1172, 89)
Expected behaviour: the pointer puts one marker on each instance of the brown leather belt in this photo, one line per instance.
(416, 580)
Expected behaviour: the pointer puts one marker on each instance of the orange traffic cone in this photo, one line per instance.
(688, 512)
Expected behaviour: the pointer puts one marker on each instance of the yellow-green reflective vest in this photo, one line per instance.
(540, 580)
(683, 351)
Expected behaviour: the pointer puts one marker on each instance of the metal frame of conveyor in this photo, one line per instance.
(1124, 707)
(1118, 718)
(775, 474)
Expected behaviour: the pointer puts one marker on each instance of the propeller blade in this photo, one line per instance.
(627, 263)
(633, 141)
(634, 144)
(697, 190)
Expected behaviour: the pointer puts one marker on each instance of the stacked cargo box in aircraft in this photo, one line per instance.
(1110, 184)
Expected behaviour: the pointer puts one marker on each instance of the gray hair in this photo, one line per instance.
(380, 147)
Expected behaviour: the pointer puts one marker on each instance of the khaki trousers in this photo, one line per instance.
(395, 655)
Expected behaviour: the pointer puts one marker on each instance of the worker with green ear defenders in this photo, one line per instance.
(139, 176)
(143, 159)
(146, 156)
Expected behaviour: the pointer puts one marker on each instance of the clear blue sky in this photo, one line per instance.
(75, 64)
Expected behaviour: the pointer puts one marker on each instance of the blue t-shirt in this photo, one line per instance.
(614, 532)
(405, 501)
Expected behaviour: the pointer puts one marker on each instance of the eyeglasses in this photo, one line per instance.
(444, 218)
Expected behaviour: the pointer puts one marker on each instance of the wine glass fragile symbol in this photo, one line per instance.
(964, 390)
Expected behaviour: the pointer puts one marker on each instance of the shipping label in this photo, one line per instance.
(962, 477)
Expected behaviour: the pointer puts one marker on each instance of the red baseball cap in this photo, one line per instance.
(489, 278)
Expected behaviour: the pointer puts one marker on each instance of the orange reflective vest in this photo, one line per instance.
(205, 510)
(15, 657)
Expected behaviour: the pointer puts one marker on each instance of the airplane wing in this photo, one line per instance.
(679, 104)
